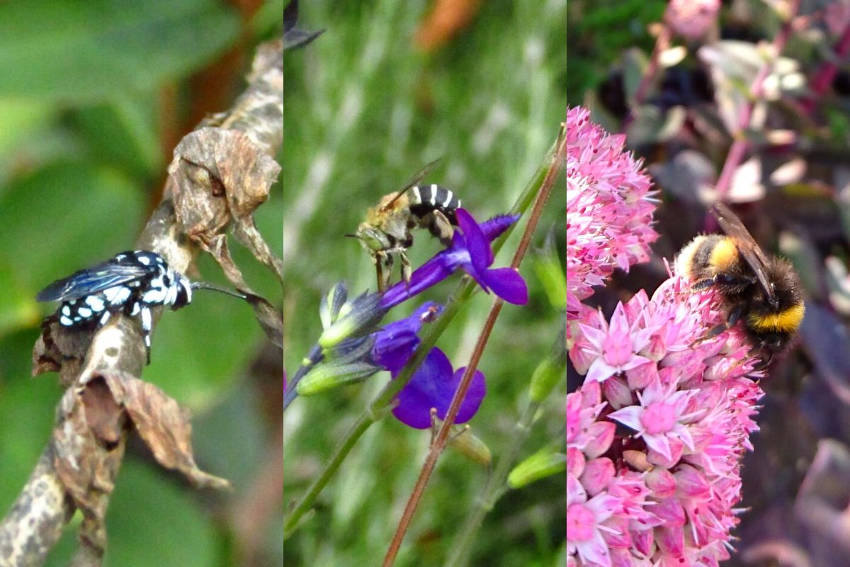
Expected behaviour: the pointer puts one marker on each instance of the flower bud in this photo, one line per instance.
(541, 464)
(549, 373)
(354, 319)
(330, 375)
(469, 445)
(332, 303)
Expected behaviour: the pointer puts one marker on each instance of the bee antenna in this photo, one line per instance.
(213, 287)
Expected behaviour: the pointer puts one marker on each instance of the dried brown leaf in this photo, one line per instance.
(60, 349)
(221, 176)
(85, 463)
(269, 318)
(163, 425)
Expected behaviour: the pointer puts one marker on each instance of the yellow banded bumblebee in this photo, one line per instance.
(763, 291)
(386, 232)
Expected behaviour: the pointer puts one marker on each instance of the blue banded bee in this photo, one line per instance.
(130, 283)
(763, 291)
(386, 232)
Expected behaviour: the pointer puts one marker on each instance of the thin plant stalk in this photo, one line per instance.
(554, 164)
(741, 144)
(493, 488)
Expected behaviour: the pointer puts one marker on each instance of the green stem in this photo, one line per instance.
(493, 489)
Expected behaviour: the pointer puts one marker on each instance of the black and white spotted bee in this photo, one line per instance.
(386, 232)
(130, 283)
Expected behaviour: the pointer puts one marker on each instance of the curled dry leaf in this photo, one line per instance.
(85, 463)
(163, 425)
(220, 177)
(292, 36)
(88, 442)
(60, 349)
(268, 316)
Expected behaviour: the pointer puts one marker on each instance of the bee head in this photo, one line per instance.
(373, 239)
(183, 287)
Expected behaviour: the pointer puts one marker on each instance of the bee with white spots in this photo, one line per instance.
(386, 232)
(131, 283)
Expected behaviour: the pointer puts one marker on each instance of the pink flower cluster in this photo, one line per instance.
(609, 207)
(691, 19)
(660, 490)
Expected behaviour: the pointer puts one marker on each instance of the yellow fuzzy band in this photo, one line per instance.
(784, 321)
(724, 254)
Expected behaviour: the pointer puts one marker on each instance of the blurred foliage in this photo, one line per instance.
(364, 111)
(599, 32)
(93, 96)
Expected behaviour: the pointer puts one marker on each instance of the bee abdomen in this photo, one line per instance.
(426, 198)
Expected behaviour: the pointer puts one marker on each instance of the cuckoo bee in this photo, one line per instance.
(386, 232)
(131, 283)
(761, 290)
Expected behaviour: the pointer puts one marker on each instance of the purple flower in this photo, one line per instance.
(470, 250)
(432, 386)
(395, 343)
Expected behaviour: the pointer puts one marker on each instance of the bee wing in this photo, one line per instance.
(91, 280)
(413, 181)
(747, 246)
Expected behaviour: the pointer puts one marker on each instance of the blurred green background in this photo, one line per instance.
(93, 98)
(366, 106)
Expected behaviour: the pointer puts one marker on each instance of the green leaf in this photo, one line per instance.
(77, 51)
(153, 521)
(56, 221)
(123, 132)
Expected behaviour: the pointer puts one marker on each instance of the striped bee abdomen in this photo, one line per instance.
(427, 198)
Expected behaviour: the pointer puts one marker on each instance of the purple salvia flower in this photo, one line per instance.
(395, 342)
(663, 489)
(609, 207)
(432, 386)
(470, 251)
(434, 382)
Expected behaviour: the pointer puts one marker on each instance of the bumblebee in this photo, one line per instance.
(760, 290)
(386, 232)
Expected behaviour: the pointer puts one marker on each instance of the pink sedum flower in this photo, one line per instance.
(609, 207)
(660, 420)
(661, 489)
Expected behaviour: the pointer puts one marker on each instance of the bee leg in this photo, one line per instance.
(442, 228)
(764, 363)
(725, 280)
(379, 271)
(734, 314)
(406, 270)
(147, 324)
(388, 263)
